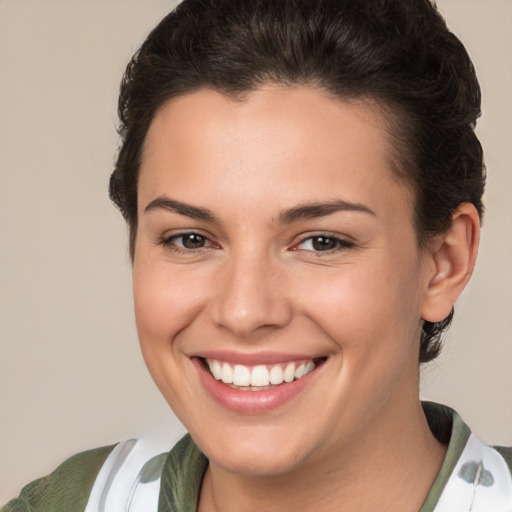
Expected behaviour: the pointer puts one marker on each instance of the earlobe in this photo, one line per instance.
(453, 258)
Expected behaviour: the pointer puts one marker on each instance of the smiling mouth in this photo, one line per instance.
(260, 377)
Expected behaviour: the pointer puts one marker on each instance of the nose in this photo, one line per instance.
(252, 298)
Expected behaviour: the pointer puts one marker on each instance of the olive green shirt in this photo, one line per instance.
(67, 489)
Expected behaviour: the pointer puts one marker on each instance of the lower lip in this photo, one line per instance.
(252, 402)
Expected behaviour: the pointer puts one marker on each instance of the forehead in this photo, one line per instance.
(284, 145)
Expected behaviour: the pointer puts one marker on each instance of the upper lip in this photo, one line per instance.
(255, 358)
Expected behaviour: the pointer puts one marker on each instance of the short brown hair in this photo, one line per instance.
(397, 53)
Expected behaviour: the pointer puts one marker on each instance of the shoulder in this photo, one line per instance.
(473, 476)
(132, 474)
(67, 488)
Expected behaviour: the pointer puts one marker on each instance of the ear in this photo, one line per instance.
(453, 256)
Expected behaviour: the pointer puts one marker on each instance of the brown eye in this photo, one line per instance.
(324, 243)
(188, 242)
(192, 241)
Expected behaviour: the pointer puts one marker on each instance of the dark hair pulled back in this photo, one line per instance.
(397, 54)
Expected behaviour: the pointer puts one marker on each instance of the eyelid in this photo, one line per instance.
(167, 240)
(342, 242)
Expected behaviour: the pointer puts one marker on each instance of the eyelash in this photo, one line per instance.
(340, 244)
(170, 242)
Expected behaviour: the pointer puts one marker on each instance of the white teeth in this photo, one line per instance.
(227, 373)
(241, 375)
(299, 371)
(260, 376)
(289, 372)
(216, 369)
(276, 375)
(309, 366)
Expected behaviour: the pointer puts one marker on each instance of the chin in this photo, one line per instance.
(258, 453)
(256, 464)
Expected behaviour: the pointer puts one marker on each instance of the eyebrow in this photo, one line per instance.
(318, 210)
(289, 216)
(194, 212)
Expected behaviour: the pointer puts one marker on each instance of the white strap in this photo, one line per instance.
(129, 480)
(480, 482)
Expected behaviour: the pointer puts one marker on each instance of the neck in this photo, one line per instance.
(391, 468)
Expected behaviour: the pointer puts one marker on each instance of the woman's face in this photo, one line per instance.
(274, 239)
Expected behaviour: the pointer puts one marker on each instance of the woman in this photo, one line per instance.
(302, 185)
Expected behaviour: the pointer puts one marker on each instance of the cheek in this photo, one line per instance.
(163, 306)
(361, 306)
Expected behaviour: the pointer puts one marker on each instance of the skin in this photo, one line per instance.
(355, 438)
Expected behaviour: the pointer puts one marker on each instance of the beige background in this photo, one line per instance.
(71, 376)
